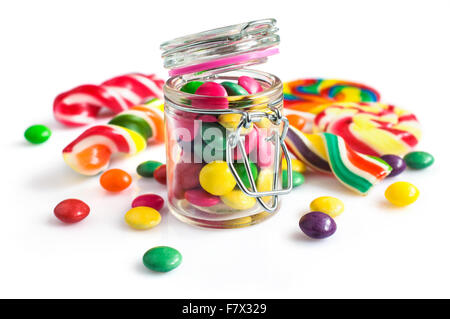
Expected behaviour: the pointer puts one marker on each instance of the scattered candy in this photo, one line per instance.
(326, 152)
(418, 160)
(160, 174)
(147, 168)
(162, 259)
(115, 180)
(317, 225)
(297, 179)
(237, 199)
(242, 172)
(37, 134)
(148, 200)
(142, 217)
(216, 178)
(81, 105)
(71, 211)
(396, 162)
(90, 153)
(249, 84)
(401, 193)
(297, 166)
(328, 205)
(201, 198)
(371, 128)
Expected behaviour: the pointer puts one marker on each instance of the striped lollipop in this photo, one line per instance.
(129, 133)
(326, 152)
(81, 105)
(312, 95)
(371, 128)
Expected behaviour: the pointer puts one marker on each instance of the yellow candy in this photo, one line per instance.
(264, 183)
(231, 121)
(297, 166)
(142, 217)
(236, 199)
(216, 178)
(401, 193)
(328, 205)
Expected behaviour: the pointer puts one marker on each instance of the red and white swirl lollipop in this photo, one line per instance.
(81, 105)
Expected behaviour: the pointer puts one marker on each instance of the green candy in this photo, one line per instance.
(162, 259)
(297, 179)
(418, 160)
(37, 134)
(191, 87)
(242, 172)
(234, 89)
(146, 169)
(214, 137)
(134, 123)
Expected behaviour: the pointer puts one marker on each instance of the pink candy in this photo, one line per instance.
(265, 149)
(210, 89)
(201, 198)
(249, 84)
(148, 200)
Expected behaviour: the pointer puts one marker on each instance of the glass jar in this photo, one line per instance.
(224, 152)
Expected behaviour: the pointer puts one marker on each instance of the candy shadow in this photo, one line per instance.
(300, 236)
(55, 178)
(387, 207)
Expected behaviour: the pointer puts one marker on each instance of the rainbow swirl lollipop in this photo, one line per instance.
(313, 95)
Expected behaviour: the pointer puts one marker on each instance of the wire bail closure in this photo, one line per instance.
(235, 140)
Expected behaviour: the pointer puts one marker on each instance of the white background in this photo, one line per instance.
(399, 47)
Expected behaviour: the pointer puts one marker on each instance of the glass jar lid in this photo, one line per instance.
(221, 49)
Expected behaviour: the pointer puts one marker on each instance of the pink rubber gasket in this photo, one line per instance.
(225, 61)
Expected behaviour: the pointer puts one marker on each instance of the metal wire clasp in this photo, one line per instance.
(235, 140)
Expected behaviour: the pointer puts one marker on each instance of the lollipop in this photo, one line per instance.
(129, 132)
(312, 95)
(81, 105)
(371, 128)
(329, 153)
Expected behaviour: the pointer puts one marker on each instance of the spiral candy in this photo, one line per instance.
(328, 152)
(128, 132)
(81, 105)
(371, 128)
(312, 95)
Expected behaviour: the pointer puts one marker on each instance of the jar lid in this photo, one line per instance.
(221, 49)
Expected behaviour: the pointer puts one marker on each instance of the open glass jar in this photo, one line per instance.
(224, 152)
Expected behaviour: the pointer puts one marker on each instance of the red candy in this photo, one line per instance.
(148, 200)
(201, 198)
(160, 174)
(115, 180)
(71, 211)
(186, 175)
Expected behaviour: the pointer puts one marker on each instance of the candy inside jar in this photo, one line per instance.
(224, 127)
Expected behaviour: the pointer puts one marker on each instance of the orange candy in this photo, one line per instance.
(296, 121)
(115, 180)
(94, 157)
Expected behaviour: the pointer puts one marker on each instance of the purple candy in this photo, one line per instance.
(396, 162)
(148, 200)
(317, 225)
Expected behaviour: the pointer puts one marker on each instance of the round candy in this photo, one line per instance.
(237, 199)
(216, 178)
(37, 134)
(187, 175)
(231, 121)
(214, 90)
(148, 200)
(71, 211)
(328, 205)
(242, 172)
(162, 259)
(234, 89)
(265, 183)
(418, 160)
(115, 180)
(249, 84)
(401, 193)
(201, 198)
(317, 225)
(396, 162)
(147, 168)
(296, 121)
(191, 87)
(160, 174)
(297, 166)
(142, 217)
(297, 179)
